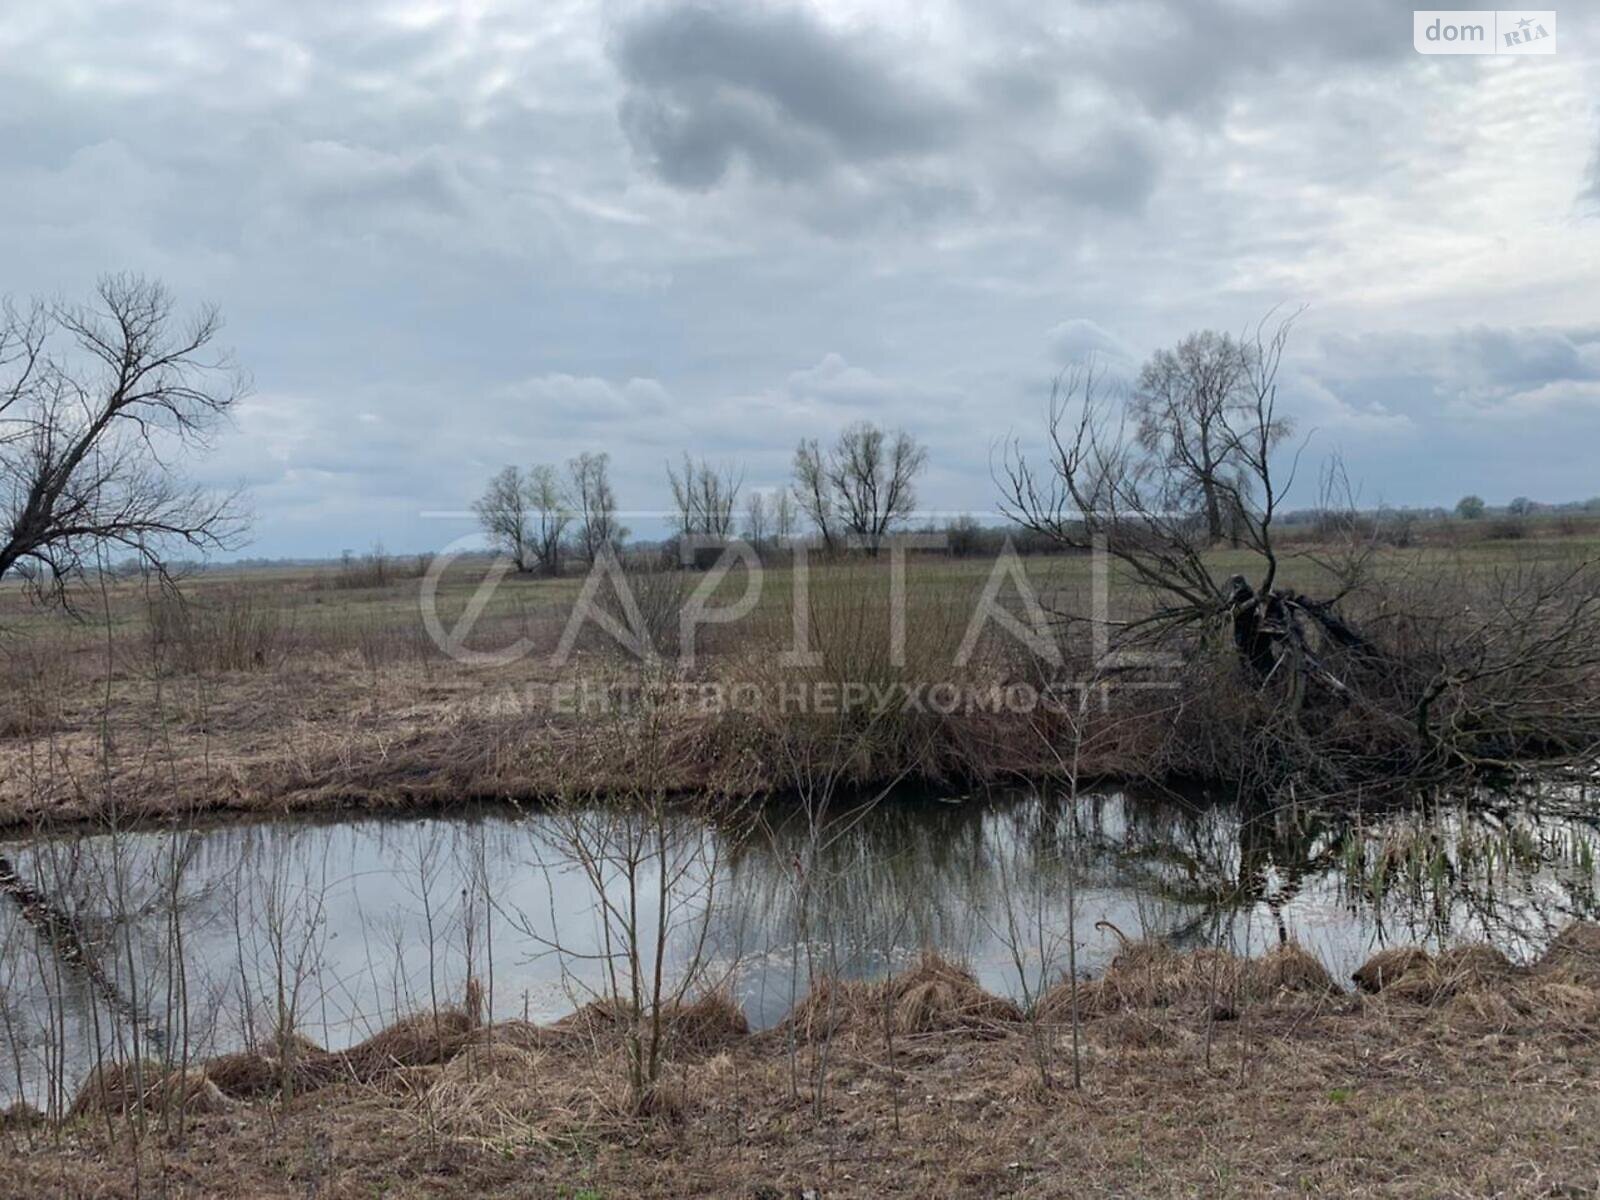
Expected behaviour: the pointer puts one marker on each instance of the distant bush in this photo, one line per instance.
(375, 569)
(1506, 529)
(965, 537)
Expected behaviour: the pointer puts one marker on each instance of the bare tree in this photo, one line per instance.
(704, 497)
(503, 512)
(784, 518)
(757, 520)
(1114, 487)
(864, 486)
(550, 516)
(594, 504)
(812, 491)
(97, 403)
(874, 475)
(1189, 404)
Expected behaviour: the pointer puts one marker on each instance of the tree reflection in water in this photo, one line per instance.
(347, 924)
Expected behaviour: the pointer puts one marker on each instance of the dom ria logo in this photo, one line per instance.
(1481, 31)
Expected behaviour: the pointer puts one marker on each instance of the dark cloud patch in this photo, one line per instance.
(867, 119)
(710, 83)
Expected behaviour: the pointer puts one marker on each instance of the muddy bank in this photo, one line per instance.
(1201, 1074)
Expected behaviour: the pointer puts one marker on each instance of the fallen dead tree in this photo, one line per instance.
(1390, 670)
(61, 935)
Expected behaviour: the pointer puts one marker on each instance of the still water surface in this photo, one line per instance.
(354, 922)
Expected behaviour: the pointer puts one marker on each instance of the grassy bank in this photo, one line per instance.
(316, 688)
(1200, 1075)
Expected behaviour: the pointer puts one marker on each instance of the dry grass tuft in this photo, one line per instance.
(935, 996)
(1474, 967)
(115, 1088)
(420, 1040)
(1289, 970)
(1563, 1003)
(249, 1074)
(1423, 984)
(708, 1024)
(1574, 955)
(1055, 1006)
(704, 1025)
(1154, 975)
(507, 1096)
(1459, 971)
(487, 1062)
(1486, 1008)
(245, 1075)
(1386, 966)
(827, 1007)
(596, 1018)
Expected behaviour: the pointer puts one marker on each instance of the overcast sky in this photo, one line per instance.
(448, 236)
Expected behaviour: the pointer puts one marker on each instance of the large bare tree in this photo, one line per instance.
(813, 492)
(525, 515)
(783, 518)
(865, 485)
(757, 520)
(99, 404)
(594, 504)
(1137, 496)
(1189, 405)
(704, 497)
(874, 476)
(503, 512)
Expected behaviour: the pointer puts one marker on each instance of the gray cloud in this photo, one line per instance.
(1188, 57)
(861, 114)
(1482, 364)
(707, 83)
(1082, 340)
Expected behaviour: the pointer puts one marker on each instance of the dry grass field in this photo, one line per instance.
(1459, 1076)
(321, 687)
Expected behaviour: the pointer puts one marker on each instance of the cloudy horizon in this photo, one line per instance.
(447, 237)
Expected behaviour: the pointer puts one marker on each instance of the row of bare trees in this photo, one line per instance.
(538, 515)
(857, 491)
(853, 493)
(860, 489)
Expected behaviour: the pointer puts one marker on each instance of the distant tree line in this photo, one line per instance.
(854, 493)
(1196, 461)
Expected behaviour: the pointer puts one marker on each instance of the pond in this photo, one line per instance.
(200, 937)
